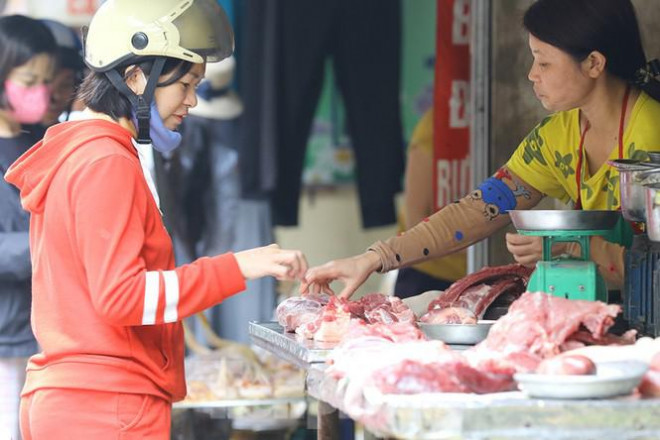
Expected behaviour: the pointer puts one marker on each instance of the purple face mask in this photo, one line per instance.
(28, 104)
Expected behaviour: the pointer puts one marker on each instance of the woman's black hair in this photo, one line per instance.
(70, 59)
(98, 93)
(579, 27)
(21, 38)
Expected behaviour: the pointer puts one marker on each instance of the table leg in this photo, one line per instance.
(328, 422)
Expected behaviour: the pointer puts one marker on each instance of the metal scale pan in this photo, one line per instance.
(566, 276)
(558, 221)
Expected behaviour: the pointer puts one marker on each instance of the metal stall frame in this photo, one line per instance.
(480, 69)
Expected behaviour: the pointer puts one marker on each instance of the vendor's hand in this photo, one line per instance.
(272, 261)
(351, 271)
(526, 249)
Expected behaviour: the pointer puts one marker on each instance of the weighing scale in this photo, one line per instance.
(566, 276)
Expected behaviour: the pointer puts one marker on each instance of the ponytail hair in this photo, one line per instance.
(579, 27)
(648, 78)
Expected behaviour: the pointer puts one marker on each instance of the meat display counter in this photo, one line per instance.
(306, 353)
(217, 417)
(497, 416)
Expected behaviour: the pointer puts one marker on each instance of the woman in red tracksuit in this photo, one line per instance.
(107, 298)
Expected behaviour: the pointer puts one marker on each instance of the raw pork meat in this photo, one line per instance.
(378, 308)
(326, 319)
(476, 292)
(395, 332)
(298, 310)
(538, 324)
(456, 290)
(478, 298)
(567, 365)
(375, 365)
(333, 322)
(451, 374)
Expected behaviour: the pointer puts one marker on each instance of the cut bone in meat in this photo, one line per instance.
(483, 276)
(480, 297)
(476, 292)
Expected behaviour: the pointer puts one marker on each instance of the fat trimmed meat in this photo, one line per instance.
(538, 324)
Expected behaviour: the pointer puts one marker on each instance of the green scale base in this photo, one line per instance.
(567, 277)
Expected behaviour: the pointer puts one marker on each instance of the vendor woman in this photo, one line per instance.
(591, 72)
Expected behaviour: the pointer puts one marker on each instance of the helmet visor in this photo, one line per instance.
(205, 30)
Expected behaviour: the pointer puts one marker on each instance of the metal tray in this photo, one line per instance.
(301, 352)
(462, 334)
(567, 220)
(611, 379)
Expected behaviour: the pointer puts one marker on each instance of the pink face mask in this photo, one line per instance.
(28, 104)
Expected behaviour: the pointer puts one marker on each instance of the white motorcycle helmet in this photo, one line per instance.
(126, 32)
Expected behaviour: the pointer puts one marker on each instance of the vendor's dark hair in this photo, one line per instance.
(579, 27)
(21, 38)
(98, 93)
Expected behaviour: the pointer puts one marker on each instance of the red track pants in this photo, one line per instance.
(59, 414)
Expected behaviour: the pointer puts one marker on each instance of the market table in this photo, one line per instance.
(247, 414)
(496, 416)
(272, 337)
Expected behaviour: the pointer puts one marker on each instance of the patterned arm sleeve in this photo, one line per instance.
(460, 224)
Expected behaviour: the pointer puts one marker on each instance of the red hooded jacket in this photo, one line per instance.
(107, 299)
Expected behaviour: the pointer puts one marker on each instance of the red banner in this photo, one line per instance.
(452, 102)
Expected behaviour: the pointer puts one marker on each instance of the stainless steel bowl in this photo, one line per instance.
(567, 220)
(464, 334)
(633, 194)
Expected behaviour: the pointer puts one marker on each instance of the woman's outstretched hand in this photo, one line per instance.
(272, 261)
(352, 272)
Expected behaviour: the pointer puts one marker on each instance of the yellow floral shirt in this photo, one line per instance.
(547, 158)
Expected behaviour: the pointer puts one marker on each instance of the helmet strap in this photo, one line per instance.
(141, 103)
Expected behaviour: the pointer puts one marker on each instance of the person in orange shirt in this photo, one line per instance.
(107, 298)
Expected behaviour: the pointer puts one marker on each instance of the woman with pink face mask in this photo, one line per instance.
(26, 68)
